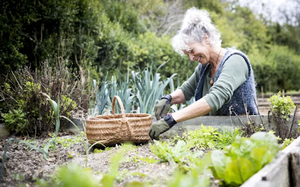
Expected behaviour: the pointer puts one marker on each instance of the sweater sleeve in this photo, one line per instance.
(234, 73)
(188, 87)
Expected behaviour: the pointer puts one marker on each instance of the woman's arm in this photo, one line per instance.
(199, 108)
(177, 97)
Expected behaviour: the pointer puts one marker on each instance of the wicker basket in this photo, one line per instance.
(118, 128)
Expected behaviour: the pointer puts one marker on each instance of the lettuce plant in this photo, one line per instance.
(246, 156)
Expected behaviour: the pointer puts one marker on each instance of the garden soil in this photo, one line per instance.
(23, 165)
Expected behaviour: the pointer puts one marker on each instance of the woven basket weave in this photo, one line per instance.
(118, 128)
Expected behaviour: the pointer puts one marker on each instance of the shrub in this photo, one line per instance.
(15, 120)
(281, 106)
(24, 101)
(24, 108)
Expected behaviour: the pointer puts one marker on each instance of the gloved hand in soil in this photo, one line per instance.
(161, 126)
(163, 106)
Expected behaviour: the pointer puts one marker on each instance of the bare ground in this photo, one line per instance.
(24, 165)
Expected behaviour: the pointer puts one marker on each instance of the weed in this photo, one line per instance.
(225, 137)
(198, 175)
(109, 178)
(178, 155)
(67, 142)
(71, 175)
(30, 142)
(149, 160)
(286, 142)
(208, 138)
(102, 150)
(203, 138)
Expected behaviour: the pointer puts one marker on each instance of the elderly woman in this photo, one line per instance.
(223, 83)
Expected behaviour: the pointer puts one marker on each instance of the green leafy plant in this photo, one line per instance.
(246, 156)
(109, 178)
(102, 150)
(281, 106)
(203, 138)
(51, 144)
(208, 137)
(286, 142)
(15, 121)
(225, 137)
(179, 154)
(21, 95)
(196, 176)
(24, 103)
(68, 142)
(149, 160)
(71, 175)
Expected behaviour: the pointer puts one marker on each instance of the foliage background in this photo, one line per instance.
(106, 36)
(99, 39)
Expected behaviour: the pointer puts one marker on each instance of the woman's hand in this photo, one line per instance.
(163, 107)
(161, 126)
(158, 128)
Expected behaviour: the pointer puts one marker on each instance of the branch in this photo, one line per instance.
(169, 28)
(293, 121)
(255, 101)
(164, 22)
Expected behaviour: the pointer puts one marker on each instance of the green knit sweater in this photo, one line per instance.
(234, 73)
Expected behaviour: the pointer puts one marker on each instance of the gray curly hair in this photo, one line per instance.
(195, 25)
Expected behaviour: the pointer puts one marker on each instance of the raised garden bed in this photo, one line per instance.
(25, 165)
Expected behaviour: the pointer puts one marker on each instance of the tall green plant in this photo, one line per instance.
(102, 96)
(122, 89)
(55, 107)
(149, 88)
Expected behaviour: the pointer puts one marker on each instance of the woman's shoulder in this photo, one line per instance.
(236, 58)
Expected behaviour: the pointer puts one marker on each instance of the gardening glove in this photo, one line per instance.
(163, 106)
(161, 126)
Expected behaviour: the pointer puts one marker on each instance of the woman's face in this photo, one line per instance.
(199, 51)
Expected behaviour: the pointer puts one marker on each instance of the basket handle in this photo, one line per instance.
(123, 114)
(120, 104)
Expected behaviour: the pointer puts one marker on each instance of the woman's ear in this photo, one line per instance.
(206, 39)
